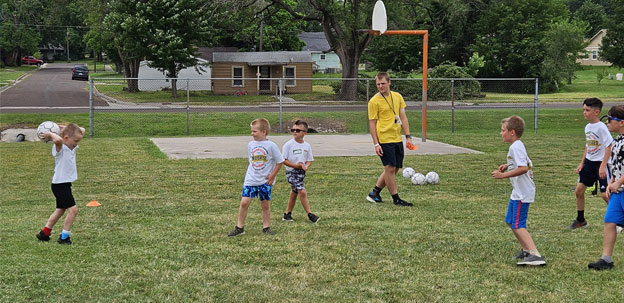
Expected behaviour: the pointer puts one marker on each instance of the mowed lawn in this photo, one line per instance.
(160, 234)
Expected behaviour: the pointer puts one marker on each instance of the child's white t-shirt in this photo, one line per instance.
(523, 186)
(64, 165)
(263, 157)
(597, 139)
(296, 152)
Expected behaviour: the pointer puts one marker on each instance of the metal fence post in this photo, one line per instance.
(91, 107)
(188, 109)
(452, 105)
(367, 90)
(280, 84)
(535, 106)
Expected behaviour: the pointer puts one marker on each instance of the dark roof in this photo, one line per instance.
(206, 52)
(315, 41)
(263, 58)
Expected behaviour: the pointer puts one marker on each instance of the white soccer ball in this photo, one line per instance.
(418, 179)
(432, 177)
(408, 172)
(48, 126)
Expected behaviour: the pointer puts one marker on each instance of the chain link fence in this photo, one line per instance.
(183, 104)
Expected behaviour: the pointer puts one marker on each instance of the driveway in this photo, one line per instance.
(49, 86)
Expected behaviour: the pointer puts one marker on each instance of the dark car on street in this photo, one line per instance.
(80, 72)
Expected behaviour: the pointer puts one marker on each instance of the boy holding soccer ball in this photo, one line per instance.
(64, 153)
(519, 170)
(265, 160)
(297, 158)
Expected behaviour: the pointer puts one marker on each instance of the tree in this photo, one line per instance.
(563, 43)
(612, 49)
(593, 14)
(17, 35)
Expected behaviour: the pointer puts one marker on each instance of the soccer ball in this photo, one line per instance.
(48, 126)
(418, 179)
(432, 177)
(408, 172)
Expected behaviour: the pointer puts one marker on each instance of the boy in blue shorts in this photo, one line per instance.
(519, 170)
(615, 208)
(65, 172)
(593, 167)
(265, 160)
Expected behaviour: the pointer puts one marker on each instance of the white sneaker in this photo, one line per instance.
(618, 229)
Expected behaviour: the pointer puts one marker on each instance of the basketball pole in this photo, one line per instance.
(425, 34)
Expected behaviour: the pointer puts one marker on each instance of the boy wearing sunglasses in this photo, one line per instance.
(593, 166)
(297, 158)
(614, 215)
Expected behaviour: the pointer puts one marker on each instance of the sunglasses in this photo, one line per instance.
(294, 130)
(609, 118)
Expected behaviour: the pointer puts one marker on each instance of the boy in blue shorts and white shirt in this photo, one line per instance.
(615, 208)
(65, 172)
(519, 170)
(297, 158)
(265, 160)
(593, 167)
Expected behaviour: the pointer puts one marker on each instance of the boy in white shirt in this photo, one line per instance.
(297, 158)
(519, 170)
(265, 160)
(593, 167)
(64, 153)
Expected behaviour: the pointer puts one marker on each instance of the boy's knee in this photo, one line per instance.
(73, 210)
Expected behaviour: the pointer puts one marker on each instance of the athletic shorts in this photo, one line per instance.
(63, 194)
(262, 191)
(295, 178)
(392, 154)
(615, 209)
(517, 213)
(589, 174)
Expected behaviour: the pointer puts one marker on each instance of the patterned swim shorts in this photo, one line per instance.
(295, 178)
(262, 191)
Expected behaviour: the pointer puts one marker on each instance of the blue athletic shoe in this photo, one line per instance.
(374, 198)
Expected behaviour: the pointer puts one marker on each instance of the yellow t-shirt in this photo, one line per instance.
(381, 110)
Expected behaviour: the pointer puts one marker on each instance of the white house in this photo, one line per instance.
(592, 50)
(151, 79)
(316, 43)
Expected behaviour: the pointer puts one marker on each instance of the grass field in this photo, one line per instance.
(160, 234)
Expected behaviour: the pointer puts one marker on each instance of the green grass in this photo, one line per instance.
(160, 232)
(11, 73)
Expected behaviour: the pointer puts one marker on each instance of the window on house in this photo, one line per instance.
(237, 72)
(290, 72)
(594, 55)
(323, 57)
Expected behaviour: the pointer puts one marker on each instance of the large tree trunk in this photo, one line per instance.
(348, 88)
(131, 71)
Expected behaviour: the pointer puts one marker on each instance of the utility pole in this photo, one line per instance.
(261, 30)
(68, 60)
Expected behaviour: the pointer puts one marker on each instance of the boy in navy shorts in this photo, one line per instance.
(593, 166)
(64, 153)
(265, 160)
(519, 170)
(614, 215)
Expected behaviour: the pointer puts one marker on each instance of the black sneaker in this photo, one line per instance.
(402, 203)
(287, 217)
(600, 265)
(521, 254)
(64, 241)
(577, 224)
(267, 231)
(372, 197)
(314, 218)
(42, 237)
(237, 231)
(532, 260)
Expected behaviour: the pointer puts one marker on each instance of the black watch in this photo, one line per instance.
(407, 136)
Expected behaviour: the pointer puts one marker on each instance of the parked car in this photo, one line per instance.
(80, 72)
(30, 60)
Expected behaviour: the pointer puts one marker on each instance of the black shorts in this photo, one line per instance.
(63, 194)
(392, 154)
(589, 174)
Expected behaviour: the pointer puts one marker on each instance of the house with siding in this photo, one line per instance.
(256, 73)
(592, 49)
(324, 60)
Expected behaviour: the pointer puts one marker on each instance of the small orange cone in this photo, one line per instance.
(93, 203)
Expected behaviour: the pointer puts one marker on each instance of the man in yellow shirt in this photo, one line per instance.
(386, 117)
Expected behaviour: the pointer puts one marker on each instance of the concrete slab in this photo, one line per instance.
(10, 135)
(322, 145)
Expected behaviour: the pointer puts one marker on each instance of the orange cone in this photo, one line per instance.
(93, 203)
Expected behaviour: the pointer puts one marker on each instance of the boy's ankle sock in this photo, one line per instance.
(65, 234)
(376, 190)
(47, 231)
(580, 215)
(607, 259)
(534, 252)
(395, 197)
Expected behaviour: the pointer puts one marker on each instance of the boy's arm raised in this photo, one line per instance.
(56, 139)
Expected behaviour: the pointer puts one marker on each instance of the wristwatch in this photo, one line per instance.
(408, 136)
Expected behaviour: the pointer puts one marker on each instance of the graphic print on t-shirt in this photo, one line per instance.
(593, 144)
(259, 157)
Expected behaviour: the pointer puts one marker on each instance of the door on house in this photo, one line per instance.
(265, 85)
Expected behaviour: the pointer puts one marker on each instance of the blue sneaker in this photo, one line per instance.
(374, 198)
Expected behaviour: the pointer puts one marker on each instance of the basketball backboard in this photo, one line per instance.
(380, 23)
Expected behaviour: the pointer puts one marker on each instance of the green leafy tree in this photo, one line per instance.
(18, 36)
(593, 14)
(563, 43)
(612, 49)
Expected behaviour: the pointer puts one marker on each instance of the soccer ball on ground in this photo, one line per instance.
(408, 172)
(418, 179)
(432, 177)
(48, 126)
